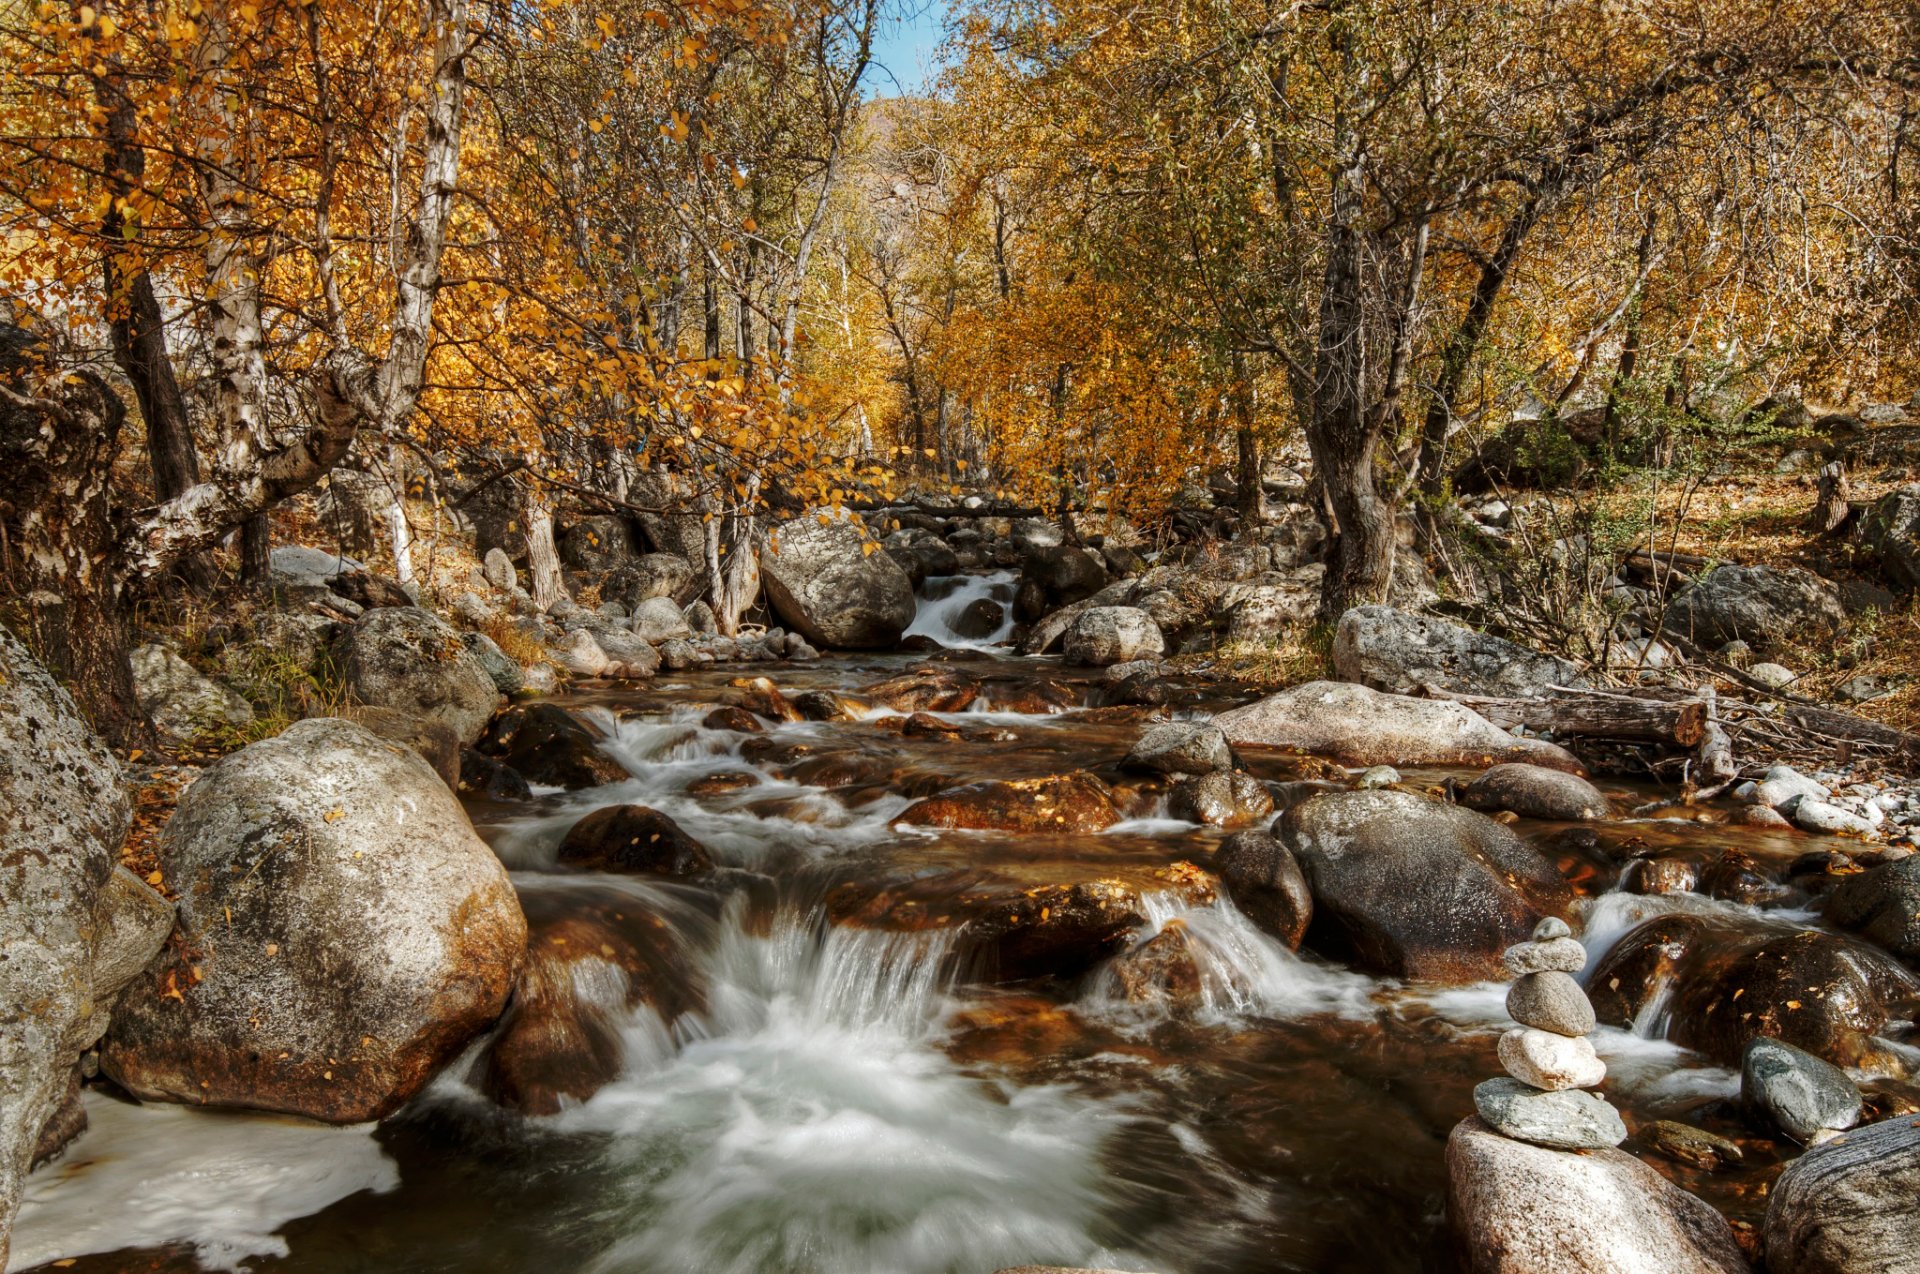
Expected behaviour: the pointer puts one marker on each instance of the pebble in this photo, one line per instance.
(1549, 1061)
(1550, 1001)
(1773, 676)
(1797, 1092)
(1551, 927)
(1683, 1143)
(1377, 776)
(1565, 1120)
(1823, 816)
(1555, 955)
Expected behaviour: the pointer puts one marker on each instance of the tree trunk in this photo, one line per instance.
(256, 544)
(58, 444)
(399, 529)
(1247, 446)
(543, 559)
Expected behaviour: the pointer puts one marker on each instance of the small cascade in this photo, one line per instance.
(954, 610)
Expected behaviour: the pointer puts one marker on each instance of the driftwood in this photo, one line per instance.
(1596, 715)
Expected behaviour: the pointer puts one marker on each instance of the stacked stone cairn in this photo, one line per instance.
(1550, 1061)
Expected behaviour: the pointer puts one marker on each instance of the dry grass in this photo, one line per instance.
(1298, 654)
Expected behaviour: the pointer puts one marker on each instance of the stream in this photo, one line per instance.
(824, 1094)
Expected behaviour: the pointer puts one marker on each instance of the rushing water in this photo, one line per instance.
(834, 1099)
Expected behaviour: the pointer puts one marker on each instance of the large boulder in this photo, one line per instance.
(1847, 1206)
(1411, 888)
(597, 544)
(73, 926)
(1768, 607)
(1105, 635)
(1392, 650)
(1892, 531)
(1056, 575)
(1884, 904)
(343, 933)
(824, 582)
(410, 659)
(646, 577)
(1524, 1209)
(181, 701)
(1360, 726)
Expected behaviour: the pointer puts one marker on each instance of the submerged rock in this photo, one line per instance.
(1408, 887)
(633, 838)
(343, 933)
(1358, 726)
(1523, 1209)
(1847, 1206)
(546, 744)
(1061, 803)
(1882, 903)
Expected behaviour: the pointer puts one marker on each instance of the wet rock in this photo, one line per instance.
(924, 690)
(1533, 791)
(431, 739)
(1392, 650)
(1891, 531)
(761, 697)
(1763, 606)
(1375, 777)
(181, 701)
(597, 544)
(1550, 1062)
(1847, 1206)
(1266, 883)
(821, 580)
(62, 1128)
(1660, 876)
(1358, 726)
(980, 619)
(1695, 1147)
(1055, 930)
(1522, 1209)
(1181, 747)
(1564, 1120)
(1409, 887)
(1225, 798)
(1739, 877)
(1056, 575)
(1723, 985)
(923, 726)
(1058, 804)
(734, 718)
(546, 744)
(481, 775)
(1883, 904)
(409, 659)
(1103, 635)
(1551, 1001)
(633, 838)
(1794, 1091)
(343, 933)
(1161, 972)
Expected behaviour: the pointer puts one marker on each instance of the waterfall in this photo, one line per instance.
(944, 601)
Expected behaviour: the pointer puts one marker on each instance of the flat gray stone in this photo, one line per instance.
(1551, 1001)
(1800, 1093)
(1565, 1120)
(1555, 955)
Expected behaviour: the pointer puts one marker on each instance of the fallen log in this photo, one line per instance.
(1595, 715)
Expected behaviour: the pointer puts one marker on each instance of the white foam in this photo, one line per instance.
(936, 618)
(148, 1176)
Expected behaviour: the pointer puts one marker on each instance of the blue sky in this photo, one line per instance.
(904, 47)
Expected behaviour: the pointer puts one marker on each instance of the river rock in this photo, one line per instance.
(1056, 575)
(481, 775)
(1696, 1147)
(1534, 791)
(548, 745)
(1884, 904)
(1393, 650)
(1795, 1091)
(1058, 930)
(343, 933)
(1358, 726)
(1160, 973)
(1549, 1061)
(1104, 635)
(980, 619)
(497, 569)
(659, 619)
(409, 659)
(1408, 887)
(1828, 819)
(509, 678)
(1847, 1205)
(1568, 1119)
(430, 738)
(181, 701)
(1225, 798)
(1556, 954)
(1061, 803)
(1522, 1209)
(1892, 531)
(822, 581)
(633, 838)
(1181, 747)
(1266, 883)
(1764, 606)
(1551, 1001)
(74, 928)
(597, 544)
(649, 576)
